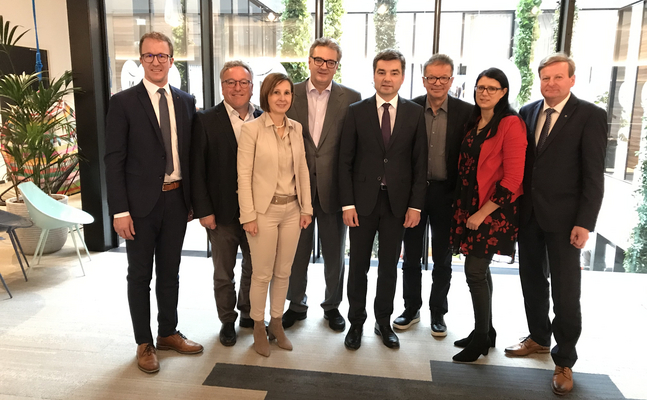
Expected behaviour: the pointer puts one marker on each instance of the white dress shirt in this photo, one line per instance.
(317, 106)
(234, 117)
(553, 117)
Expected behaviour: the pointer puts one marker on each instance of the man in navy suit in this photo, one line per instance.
(148, 134)
(214, 192)
(382, 184)
(563, 187)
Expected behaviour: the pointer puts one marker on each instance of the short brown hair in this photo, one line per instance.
(389, 55)
(556, 58)
(326, 42)
(269, 83)
(439, 59)
(156, 36)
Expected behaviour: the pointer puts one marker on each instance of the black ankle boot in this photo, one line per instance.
(465, 341)
(480, 344)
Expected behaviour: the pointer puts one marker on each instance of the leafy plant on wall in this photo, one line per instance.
(527, 34)
(334, 12)
(295, 38)
(180, 45)
(558, 9)
(636, 254)
(385, 18)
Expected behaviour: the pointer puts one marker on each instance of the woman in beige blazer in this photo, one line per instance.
(275, 204)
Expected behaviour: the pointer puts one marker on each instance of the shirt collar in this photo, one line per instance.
(559, 107)
(393, 102)
(152, 88)
(312, 87)
(268, 121)
(231, 111)
(442, 106)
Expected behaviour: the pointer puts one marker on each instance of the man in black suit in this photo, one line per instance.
(382, 183)
(320, 105)
(148, 134)
(563, 187)
(445, 119)
(214, 184)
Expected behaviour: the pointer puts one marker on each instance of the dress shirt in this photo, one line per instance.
(154, 96)
(317, 106)
(436, 137)
(553, 118)
(236, 121)
(286, 184)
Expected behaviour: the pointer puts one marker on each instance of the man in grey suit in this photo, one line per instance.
(320, 105)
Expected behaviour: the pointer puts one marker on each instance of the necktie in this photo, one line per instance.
(165, 127)
(544, 130)
(386, 131)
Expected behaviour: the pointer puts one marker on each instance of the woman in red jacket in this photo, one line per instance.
(485, 219)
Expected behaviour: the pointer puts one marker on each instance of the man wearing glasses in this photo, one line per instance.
(445, 119)
(320, 105)
(214, 194)
(148, 134)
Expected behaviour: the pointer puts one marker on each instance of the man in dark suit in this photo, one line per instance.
(320, 105)
(214, 184)
(382, 183)
(563, 187)
(148, 134)
(445, 119)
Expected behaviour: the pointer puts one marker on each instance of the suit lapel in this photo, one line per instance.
(179, 118)
(225, 124)
(145, 100)
(399, 120)
(301, 108)
(374, 120)
(532, 125)
(563, 118)
(335, 101)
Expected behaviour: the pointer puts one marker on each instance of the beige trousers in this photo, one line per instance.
(273, 250)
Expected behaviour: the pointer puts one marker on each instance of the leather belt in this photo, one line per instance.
(284, 199)
(166, 187)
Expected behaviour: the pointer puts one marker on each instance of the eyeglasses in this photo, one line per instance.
(433, 79)
(161, 57)
(490, 90)
(231, 83)
(320, 61)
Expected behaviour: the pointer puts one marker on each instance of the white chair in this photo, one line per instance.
(47, 213)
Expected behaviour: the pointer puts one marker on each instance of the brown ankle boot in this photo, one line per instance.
(261, 344)
(276, 331)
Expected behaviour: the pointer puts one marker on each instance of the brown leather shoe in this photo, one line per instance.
(179, 343)
(147, 358)
(562, 380)
(525, 347)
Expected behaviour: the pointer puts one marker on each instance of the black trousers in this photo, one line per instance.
(438, 210)
(160, 235)
(225, 240)
(390, 230)
(479, 280)
(543, 254)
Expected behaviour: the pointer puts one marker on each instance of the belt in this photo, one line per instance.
(166, 187)
(283, 199)
(383, 187)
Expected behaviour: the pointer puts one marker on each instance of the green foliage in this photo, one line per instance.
(524, 45)
(636, 254)
(334, 11)
(8, 38)
(34, 126)
(180, 46)
(295, 38)
(385, 19)
(558, 9)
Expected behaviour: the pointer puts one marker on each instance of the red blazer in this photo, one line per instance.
(502, 159)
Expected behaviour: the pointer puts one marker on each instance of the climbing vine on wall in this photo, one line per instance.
(295, 38)
(527, 34)
(385, 18)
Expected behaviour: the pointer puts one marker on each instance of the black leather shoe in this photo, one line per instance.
(290, 317)
(246, 322)
(227, 334)
(407, 319)
(389, 338)
(354, 337)
(438, 326)
(335, 320)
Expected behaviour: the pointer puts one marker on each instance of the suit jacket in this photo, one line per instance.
(564, 182)
(214, 157)
(363, 159)
(324, 158)
(258, 167)
(135, 157)
(458, 113)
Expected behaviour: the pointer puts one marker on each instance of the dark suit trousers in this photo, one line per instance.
(225, 240)
(438, 209)
(332, 232)
(565, 277)
(390, 231)
(159, 234)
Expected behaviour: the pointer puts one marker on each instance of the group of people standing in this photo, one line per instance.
(483, 176)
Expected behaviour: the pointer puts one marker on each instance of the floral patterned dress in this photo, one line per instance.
(498, 232)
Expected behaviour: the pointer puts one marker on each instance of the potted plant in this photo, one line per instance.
(37, 141)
